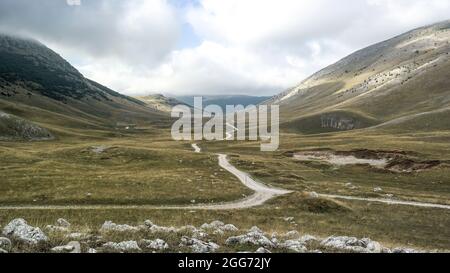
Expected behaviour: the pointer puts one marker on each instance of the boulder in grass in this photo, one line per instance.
(19, 230)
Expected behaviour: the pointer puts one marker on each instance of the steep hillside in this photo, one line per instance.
(406, 76)
(38, 85)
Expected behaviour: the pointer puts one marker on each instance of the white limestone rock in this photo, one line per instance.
(122, 247)
(198, 246)
(18, 229)
(157, 244)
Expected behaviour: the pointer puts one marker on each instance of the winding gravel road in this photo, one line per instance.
(262, 193)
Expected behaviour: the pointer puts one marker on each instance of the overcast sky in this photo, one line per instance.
(253, 47)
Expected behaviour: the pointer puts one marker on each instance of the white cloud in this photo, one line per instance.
(247, 46)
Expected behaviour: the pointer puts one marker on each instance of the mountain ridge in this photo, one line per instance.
(402, 76)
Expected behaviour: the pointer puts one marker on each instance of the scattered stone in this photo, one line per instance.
(188, 229)
(5, 244)
(98, 149)
(352, 244)
(122, 247)
(18, 229)
(198, 246)
(72, 247)
(92, 250)
(292, 234)
(62, 223)
(254, 237)
(378, 189)
(229, 228)
(313, 195)
(218, 227)
(289, 219)
(157, 244)
(308, 238)
(256, 230)
(78, 236)
(158, 229)
(262, 250)
(148, 223)
(404, 250)
(2, 251)
(294, 245)
(109, 226)
(51, 228)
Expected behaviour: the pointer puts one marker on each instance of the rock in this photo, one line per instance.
(198, 246)
(218, 227)
(160, 229)
(308, 238)
(254, 237)
(294, 245)
(229, 228)
(92, 250)
(404, 250)
(2, 251)
(109, 226)
(256, 230)
(218, 232)
(148, 223)
(51, 228)
(212, 225)
(288, 219)
(378, 189)
(5, 244)
(352, 244)
(187, 229)
(18, 229)
(122, 247)
(313, 195)
(292, 234)
(62, 223)
(79, 236)
(262, 250)
(200, 235)
(72, 247)
(157, 244)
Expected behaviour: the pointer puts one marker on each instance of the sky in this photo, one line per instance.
(211, 47)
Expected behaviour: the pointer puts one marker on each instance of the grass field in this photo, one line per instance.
(137, 169)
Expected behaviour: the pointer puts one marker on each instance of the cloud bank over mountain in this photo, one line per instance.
(249, 47)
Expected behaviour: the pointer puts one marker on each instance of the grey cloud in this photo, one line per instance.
(99, 28)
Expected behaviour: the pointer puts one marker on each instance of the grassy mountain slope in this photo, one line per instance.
(404, 76)
(38, 85)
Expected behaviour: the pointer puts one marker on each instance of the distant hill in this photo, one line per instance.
(36, 84)
(160, 102)
(399, 84)
(225, 100)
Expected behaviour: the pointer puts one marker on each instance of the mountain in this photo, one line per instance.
(399, 84)
(160, 102)
(37, 85)
(225, 100)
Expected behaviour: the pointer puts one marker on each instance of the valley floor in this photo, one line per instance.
(134, 171)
